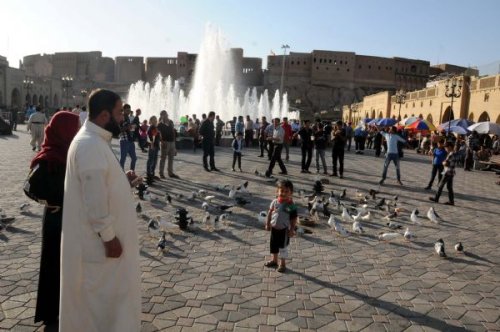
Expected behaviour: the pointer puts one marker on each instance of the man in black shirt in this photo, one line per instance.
(208, 134)
(167, 145)
(338, 144)
(305, 134)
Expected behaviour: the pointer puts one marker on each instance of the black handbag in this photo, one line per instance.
(41, 186)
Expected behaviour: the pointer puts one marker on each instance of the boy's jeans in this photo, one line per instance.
(395, 158)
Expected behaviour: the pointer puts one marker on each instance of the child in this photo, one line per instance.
(439, 155)
(449, 173)
(154, 146)
(143, 135)
(320, 145)
(281, 220)
(237, 145)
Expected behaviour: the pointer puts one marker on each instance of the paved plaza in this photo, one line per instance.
(209, 281)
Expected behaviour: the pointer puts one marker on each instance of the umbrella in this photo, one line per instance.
(374, 121)
(485, 128)
(421, 125)
(409, 121)
(464, 123)
(457, 130)
(366, 120)
(386, 122)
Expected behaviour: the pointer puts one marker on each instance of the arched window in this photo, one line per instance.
(429, 118)
(447, 115)
(484, 117)
(471, 116)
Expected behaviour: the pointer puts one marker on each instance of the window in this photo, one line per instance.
(430, 102)
(421, 104)
(413, 104)
(330, 61)
(314, 60)
(292, 62)
(347, 69)
(317, 67)
(338, 68)
(320, 60)
(359, 66)
(334, 62)
(369, 67)
(305, 63)
(379, 67)
(326, 68)
(340, 61)
(346, 62)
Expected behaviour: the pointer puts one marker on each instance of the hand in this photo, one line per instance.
(268, 226)
(113, 248)
(291, 233)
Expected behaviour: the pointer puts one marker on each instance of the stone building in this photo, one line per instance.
(479, 101)
(325, 80)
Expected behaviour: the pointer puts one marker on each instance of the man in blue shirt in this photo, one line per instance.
(439, 155)
(392, 139)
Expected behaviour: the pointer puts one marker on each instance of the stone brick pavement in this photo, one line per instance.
(216, 280)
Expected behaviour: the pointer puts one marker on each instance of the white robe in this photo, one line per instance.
(98, 293)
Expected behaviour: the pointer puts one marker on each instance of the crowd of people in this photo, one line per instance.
(98, 223)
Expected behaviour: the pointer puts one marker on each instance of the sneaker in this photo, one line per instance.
(233, 169)
(433, 199)
(215, 169)
(207, 169)
(271, 264)
(449, 203)
(241, 171)
(162, 176)
(400, 183)
(341, 176)
(175, 176)
(268, 174)
(381, 182)
(283, 173)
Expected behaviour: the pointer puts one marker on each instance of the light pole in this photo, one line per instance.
(284, 47)
(353, 108)
(453, 90)
(83, 93)
(400, 99)
(28, 85)
(67, 83)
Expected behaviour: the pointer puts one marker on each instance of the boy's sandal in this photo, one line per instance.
(281, 268)
(271, 264)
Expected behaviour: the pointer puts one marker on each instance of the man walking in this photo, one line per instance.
(100, 277)
(36, 126)
(392, 139)
(338, 145)
(207, 143)
(305, 134)
(288, 137)
(167, 145)
(277, 139)
(127, 146)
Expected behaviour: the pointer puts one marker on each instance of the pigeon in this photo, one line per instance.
(345, 215)
(300, 231)
(224, 207)
(192, 196)
(241, 201)
(362, 209)
(153, 227)
(2, 214)
(408, 235)
(179, 196)
(207, 220)
(395, 198)
(217, 223)
(2, 228)
(331, 221)
(344, 191)
(25, 207)
(262, 217)
(224, 218)
(431, 214)
(168, 198)
(232, 193)
(243, 188)
(357, 217)
(380, 202)
(373, 193)
(414, 217)
(138, 208)
(459, 248)
(332, 199)
(439, 248)
(340, 229)
(209, 198)
(391, 216)
(367, 217)
(205, 206)
(220, 187)
(388, 236)
(7, 221)
(393, 225)
(356, 228)
(202, 193)
(326, 211)
(146, 196)
(359, 194)
(162, 242)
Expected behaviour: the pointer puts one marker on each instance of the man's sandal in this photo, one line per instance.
(271, 264)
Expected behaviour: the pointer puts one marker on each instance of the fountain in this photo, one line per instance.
(213, 89)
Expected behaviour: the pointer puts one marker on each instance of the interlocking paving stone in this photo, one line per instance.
(209, 281)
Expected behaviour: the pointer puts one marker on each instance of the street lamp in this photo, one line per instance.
(400, 99)
(453, 90)
(284, 47)
(84, 94)
(67, 83)
(28, 85)
(353, 108)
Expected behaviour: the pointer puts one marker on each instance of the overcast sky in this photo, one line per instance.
(458, 32)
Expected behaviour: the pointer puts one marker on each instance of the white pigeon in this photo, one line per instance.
(340, 229)
(243, 188)
(432, 215)
(202, 193)
(331, 221)
(262, 217)
(209, 198)
(25, 207)
(232, 193)
(362, 209)
(439, 248)
(300, 231)
(207, 220)
(224, 218)
(204, 206)
(357, 217)
(345, 215)
(359, 194)
(414, 217)
(367, 217)
(388, 236)
(356, 228)
(408, 235)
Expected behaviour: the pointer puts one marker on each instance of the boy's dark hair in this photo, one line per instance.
(101, 100)
(126, 106)
(211, 114)
(239, 133)
(286, 184)
(306, 121)
(449, 144)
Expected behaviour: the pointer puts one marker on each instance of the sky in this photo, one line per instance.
(441, 31)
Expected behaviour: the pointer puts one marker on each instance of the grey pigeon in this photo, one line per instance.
(439, 248)
(162, 242)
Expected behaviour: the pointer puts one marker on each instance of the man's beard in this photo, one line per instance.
(113, 127)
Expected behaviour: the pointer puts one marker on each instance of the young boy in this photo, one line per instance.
(449, 173)
(154, 146)
(439, 155)
(320, 145)
(237, 145)
(281, 220)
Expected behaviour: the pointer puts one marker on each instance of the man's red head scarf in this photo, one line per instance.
(59, 133)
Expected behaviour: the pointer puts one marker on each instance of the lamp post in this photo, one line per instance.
(453, 90)
(28, 85)
(284, 47)
(353, 108)
(400, 99)
(67, 83)
(84, 94)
